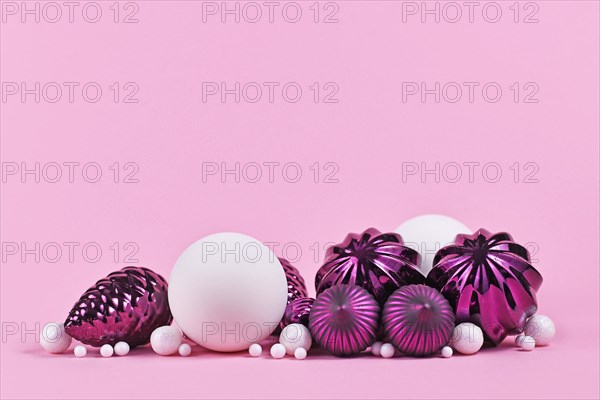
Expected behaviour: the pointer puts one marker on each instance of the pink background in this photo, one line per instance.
(368, 134)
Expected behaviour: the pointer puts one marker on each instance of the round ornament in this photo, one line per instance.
(417, 320)
(298, 311)
(541, 329)
(54, 338)
(80, 351)
(489, 281)
(467, 338)
(122, 349)
(106, 350)
(185, 350)
(166, 340)
(294, 336)
(228, 291)
(296, 287)
(344, 320)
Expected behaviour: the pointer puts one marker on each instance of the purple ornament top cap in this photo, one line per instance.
(488, 280)
(378, 262)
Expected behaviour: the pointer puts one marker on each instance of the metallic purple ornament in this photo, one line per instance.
(125, 306)
(344, 320)
(417, 320)
(489, 281)
(298, 311)
(296, 287)
(378, 262)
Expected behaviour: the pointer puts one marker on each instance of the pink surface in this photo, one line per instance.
(369, 136)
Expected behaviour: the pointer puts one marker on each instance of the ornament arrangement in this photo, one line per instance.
(373, 292)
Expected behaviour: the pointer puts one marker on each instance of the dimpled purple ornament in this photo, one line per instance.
(489, 281)
(344, 320)
(378, 262)
(298, 311)
(417, 320)
(296, 287)
(125, 306)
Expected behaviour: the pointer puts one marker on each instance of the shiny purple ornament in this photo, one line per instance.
(344, 320)
(296, 287)
(298, 311)
(417, 320)
(125, 306)
(378, 262)
(489, 281)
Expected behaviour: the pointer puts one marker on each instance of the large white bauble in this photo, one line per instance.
(227, 291)
(541, 329)
(429, 233)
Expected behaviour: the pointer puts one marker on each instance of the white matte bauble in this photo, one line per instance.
(467, 338)
(429, 233)
(295, 336)
(166, 340)
(54, 339)
(227, 291)
(541, 329)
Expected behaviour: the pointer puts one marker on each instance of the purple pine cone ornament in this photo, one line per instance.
(296, 287)
(125, 306)
(417, 320)
(298, 311)
(344, 320)
(489, 281)
(378, 262)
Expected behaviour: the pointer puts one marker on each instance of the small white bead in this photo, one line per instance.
(527, 343)
(300, 353)
(79, 351)
(294, 336)
(54, 339)
(447, 352)
(106, 350)
(166, 340)
(541, 329)
(278, 350)
(518, 340)
(122, 349)
(376, 349)
(185, 350)
(387, 350)
(467, 338)
(255, 350)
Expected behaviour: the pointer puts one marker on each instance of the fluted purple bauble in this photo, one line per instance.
(417, 320)
(378, 262)
(295, 284)
(125, 306)
(489, 281)
(344, 320)
(298, 311)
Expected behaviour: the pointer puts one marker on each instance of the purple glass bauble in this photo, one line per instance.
(417, 320)
(378, 262)
(489, 281)
(298, 311)
(344, 320)
(125, 306)
(296, 287)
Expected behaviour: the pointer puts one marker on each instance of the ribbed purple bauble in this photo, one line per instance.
(417, 320)
(489, 281)
(296, 287)
(298, 311)
(344, 320)
(378, 262)
(125, 306)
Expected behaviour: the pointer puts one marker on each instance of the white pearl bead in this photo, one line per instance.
(255, 350)
(541, 329)
(467, 338)
(54, 339)
(295, 336)
(518, 340)
(376, 348)
(278, 350)
(527, 343)
(387, 350)
(121, 349)
(447, 352)
(300, 353)
(79, 351)
(185, 350)
(106, 350)
(166, 340)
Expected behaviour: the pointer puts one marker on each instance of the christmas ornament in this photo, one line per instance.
(255, 350)
(298, 311)
(54, 338)
(467, 338)
(527, 343)
(378, 262)
(417, 320)
(387, 350)
(344, 320)
(376, 348)
(127, 305)
(224, 283)
(541, 329)
(294, 336)
(80, 351)
(296, 287)
(185, 350)
(488, 280)
(429, 233)
(166, 340)
(447, 352)
(300, 353)
(278, 350)
(106, 350)
(122, 349)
